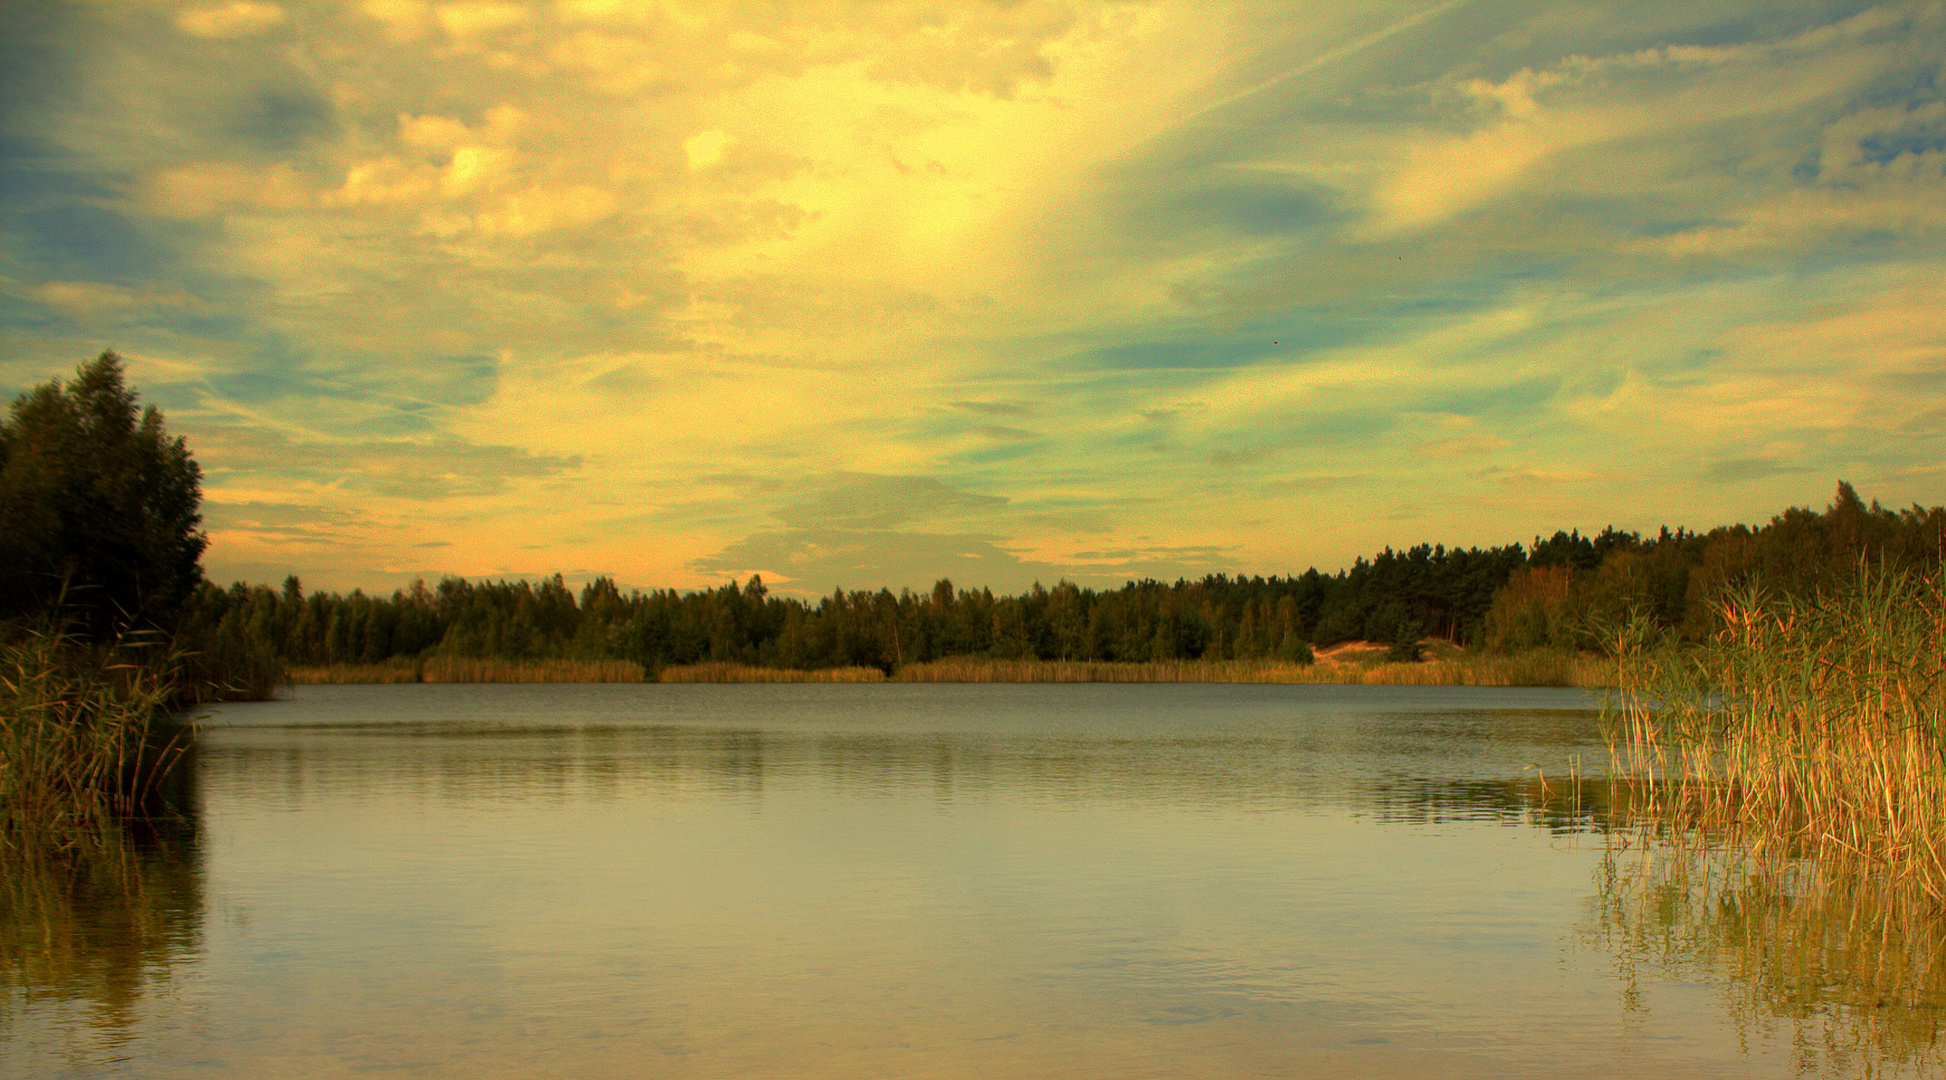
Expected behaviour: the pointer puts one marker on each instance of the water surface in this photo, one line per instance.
(907, 880)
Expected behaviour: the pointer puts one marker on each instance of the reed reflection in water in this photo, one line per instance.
(1848, 972)
(90, 932)
(715, 881)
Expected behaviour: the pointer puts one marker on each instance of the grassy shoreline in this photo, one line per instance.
(459, 669)
(1809, 732)
(1356, 664)
(87, 741)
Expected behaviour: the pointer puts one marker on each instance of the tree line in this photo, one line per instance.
(1569, 591)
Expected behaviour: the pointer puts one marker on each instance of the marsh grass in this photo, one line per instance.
(460, 669)
(393, 671)
(1809, 729)
(1535, 669)
(747, 673)
(463, 669)
(1448, 667)
(87, 741)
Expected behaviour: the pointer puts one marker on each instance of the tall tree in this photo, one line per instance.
(100, 509)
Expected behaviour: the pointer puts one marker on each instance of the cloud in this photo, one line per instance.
(994, 408)
(283, 522)
(1004, 433)
(1246, 456)
(814, 561)
(1525, 474)
(817, 559)
(706, 148)
(1320, 483)
(1739, 470)
(86, 298)
(1521, 128)
(877, 502)
(992, 284)
(419, 470)
(1930, 422)
(404, 19)
(234, 20)
(476, 17)
(1460, 445)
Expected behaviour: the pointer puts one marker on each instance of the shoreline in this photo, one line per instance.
(1350, 663)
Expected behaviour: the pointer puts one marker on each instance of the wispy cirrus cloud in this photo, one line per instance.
(1022, 289)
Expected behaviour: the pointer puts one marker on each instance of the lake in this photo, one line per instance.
(932, 881)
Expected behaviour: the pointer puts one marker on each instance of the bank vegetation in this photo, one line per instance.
(1545, 613)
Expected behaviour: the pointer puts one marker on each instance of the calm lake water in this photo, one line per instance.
(928, 881)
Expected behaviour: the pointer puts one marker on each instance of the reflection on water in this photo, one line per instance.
(1851, 977)
(1420, 752)
(87, 932)
(718, 881)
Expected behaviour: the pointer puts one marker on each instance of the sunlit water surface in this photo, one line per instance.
(901, 880)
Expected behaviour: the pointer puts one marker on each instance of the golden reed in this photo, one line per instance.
(1455, 669)
(1537, 669)
(461, 669)
(1807, 729)
(748, 673)
(76, 749)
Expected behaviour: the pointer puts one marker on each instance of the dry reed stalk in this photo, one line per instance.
(1535, 669)
(980, 670)
(76, 753)
(460, 669)
(463, 669)
(1520, 670)
(339, 674)
(718, 672)
(1807, 728)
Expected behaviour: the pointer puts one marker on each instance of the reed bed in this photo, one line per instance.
(84, 742)
(1541, 669)
(1808, 729)
(1451, 669)
(463, 669)
(982, 670)
(460, 669)
(338, 674)
(748, 673)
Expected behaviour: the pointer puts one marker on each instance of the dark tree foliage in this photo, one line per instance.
(99, 507)
(1394, 598)
(1576, 592)
(1567, 594)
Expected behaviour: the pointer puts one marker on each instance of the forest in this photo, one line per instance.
(100, 540)
(1571, 591)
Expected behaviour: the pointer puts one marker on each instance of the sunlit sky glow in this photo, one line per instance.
(871, 294)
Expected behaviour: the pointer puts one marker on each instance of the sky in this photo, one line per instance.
(871, 294)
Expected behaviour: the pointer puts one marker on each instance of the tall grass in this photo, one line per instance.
(85, 741)
(1531, 669)
(394, 671)
(746, 673)
(1450, 668)
(465, 669)
(461, 669)
(1808, 728)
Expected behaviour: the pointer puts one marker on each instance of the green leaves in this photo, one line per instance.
(100, 511)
